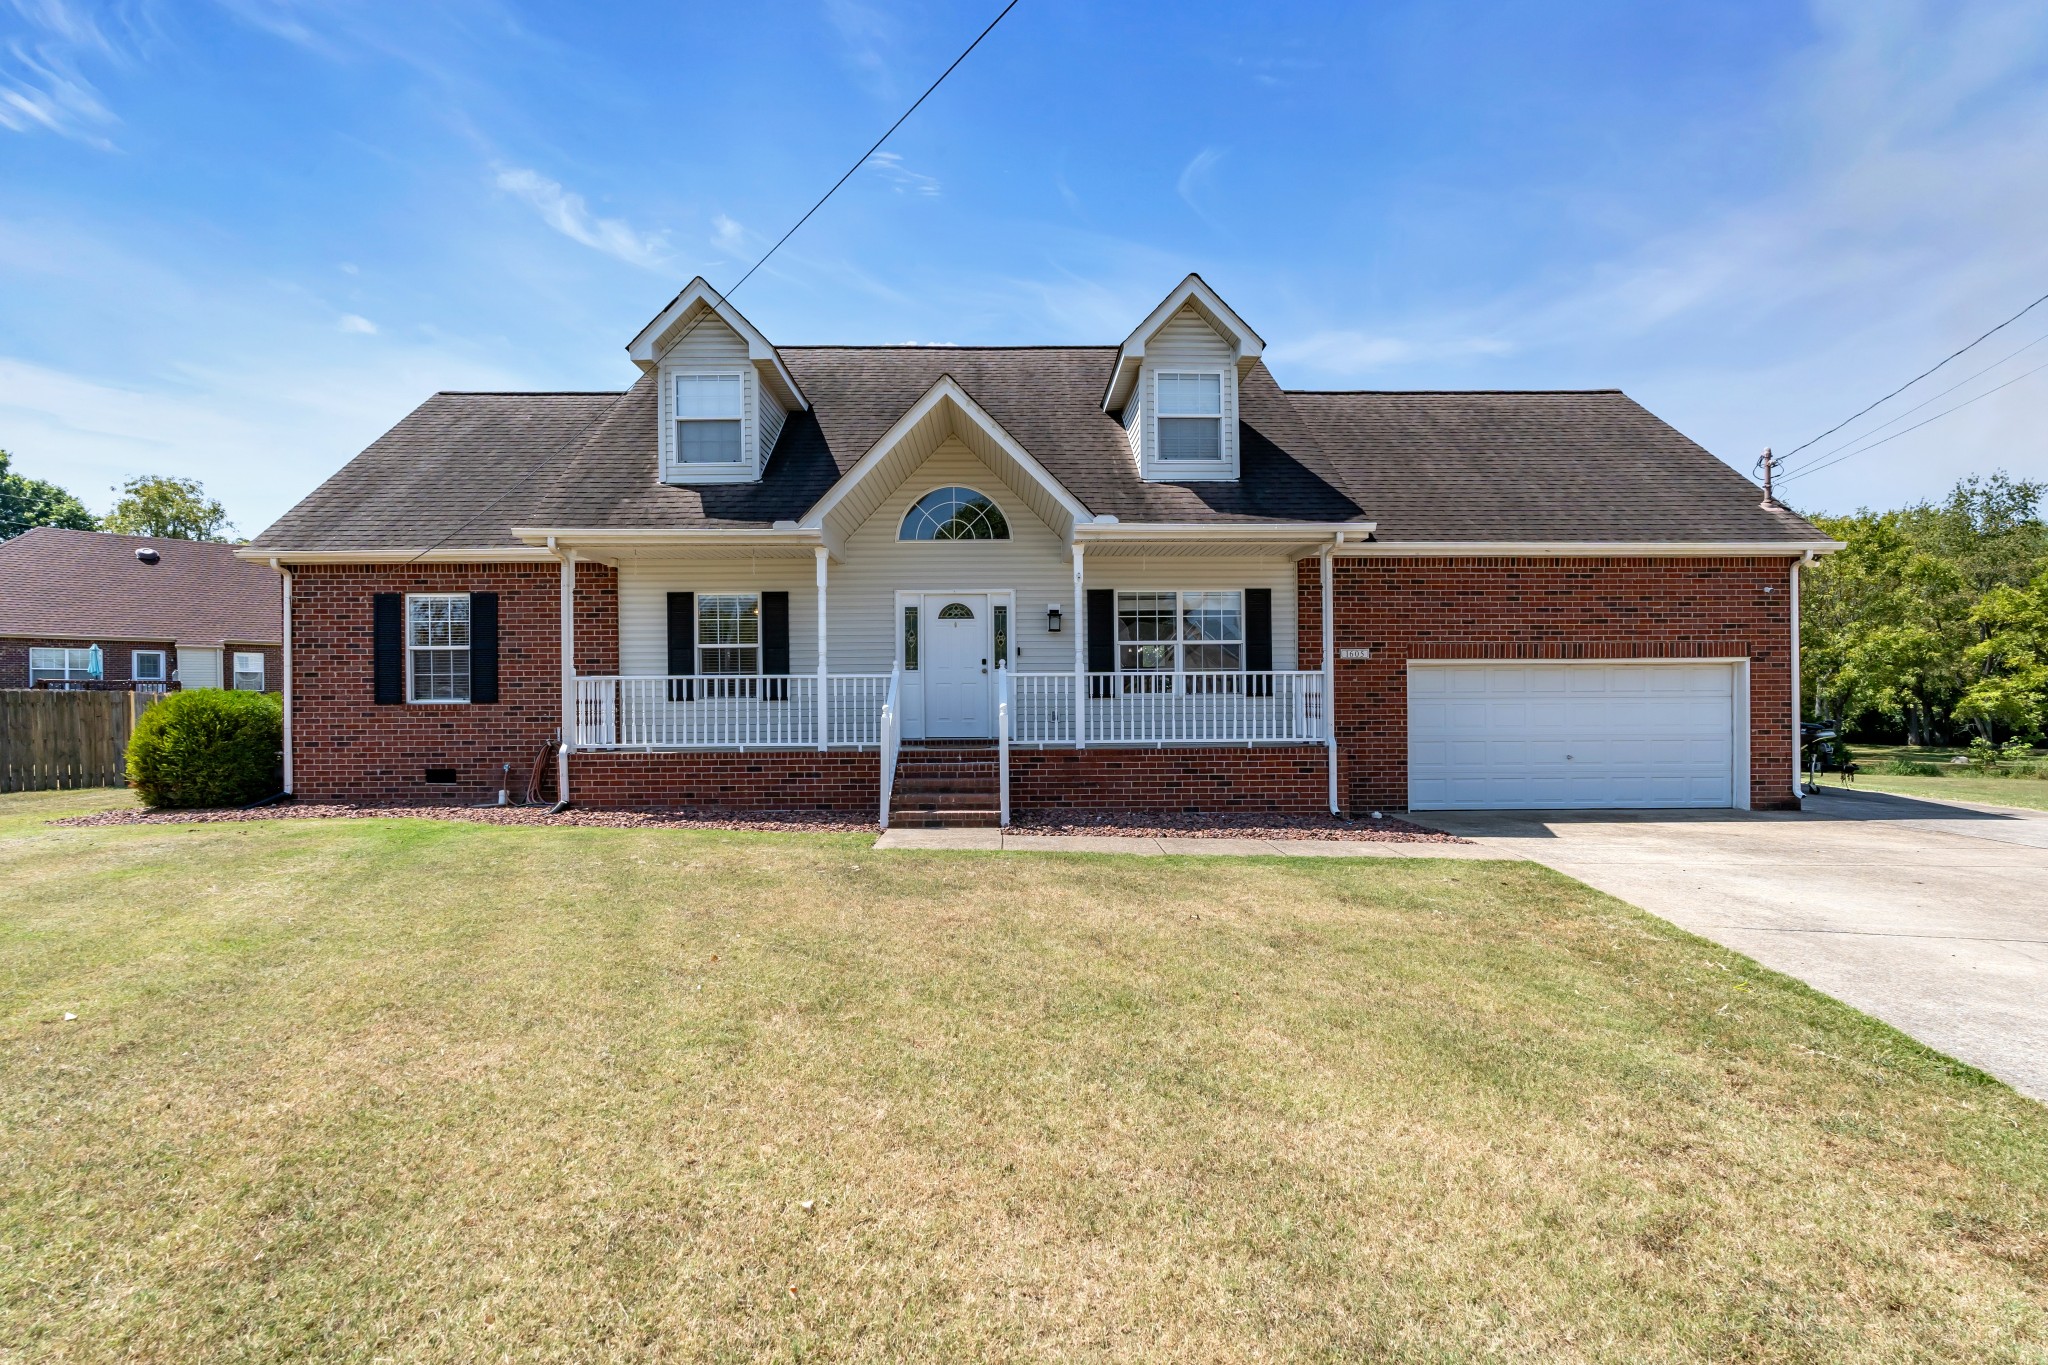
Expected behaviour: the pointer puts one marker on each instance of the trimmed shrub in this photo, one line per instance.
(208, 747)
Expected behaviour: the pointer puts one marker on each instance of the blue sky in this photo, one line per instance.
(240, 239)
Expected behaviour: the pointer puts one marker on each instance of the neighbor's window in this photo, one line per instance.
(954, 514)
(728, 633)
(249, 670)
(148, 666)
(708, 418)
(59, 665)
(436, 645)
(1190, 417)
(1179, 632)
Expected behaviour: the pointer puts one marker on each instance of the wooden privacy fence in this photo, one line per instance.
(66, 739)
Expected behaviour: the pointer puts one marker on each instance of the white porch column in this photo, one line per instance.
(824, 678)
(1329, 675)
(1080, 655)
(568, 615)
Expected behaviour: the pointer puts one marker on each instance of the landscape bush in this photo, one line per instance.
(207, 747)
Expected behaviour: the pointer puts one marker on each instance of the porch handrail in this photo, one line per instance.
(1003, 746)
(892, 735)
(1269, 706)
(727, 711)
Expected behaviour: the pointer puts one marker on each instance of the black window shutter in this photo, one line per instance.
(1102, 630)
(1258, 630)
(483, 647)
(682, 642)
(387, 648)
(775, 632)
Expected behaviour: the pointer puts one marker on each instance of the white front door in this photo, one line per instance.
(956, 667)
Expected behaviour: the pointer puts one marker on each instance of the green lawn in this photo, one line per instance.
(420, 1091)
(2027, 790)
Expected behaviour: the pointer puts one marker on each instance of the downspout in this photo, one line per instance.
(1326, 555)
(1798, 749)
(568, 615)
(287, 576)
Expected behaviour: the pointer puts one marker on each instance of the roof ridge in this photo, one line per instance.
(1451, 393)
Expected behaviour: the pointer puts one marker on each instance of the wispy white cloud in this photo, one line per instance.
(890, 167)
(42, 88)
(566, 212)
(728, 235)
(358, 324)
(1194, 181)
(865, 31)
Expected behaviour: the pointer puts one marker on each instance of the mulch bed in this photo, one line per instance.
(1144, 825)
(780, 822)
(1158, 825)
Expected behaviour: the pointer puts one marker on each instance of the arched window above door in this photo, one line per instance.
(954, 514)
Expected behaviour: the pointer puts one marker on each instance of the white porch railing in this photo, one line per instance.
(779, 711)
(1124, 709)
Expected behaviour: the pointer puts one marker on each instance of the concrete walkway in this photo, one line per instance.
(1001, 841)
(1933, 916)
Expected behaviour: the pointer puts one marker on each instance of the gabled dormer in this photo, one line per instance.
(1174, 386)
(725, 392)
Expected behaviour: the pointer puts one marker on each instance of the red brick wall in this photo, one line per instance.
(1290, 780)
(1526, 608)
(120, 658)
(844, 780)
(346, 747)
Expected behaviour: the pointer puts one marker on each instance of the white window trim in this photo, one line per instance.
(1180, 671)
(410, 699)
(1223, 470)
(84, 673)
(748, 468)
(1008, 525)
(135, 658)
(697, 645)
(235, 669)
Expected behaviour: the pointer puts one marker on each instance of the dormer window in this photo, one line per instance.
(1190, 417)
(710, 420)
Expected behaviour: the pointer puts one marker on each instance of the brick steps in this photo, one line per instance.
(946, 786)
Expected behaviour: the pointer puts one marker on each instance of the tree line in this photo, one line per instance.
(152, 505)
(1932, 622)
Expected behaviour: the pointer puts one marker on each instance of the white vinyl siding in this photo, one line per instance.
(876, 565)
(1187, 344)
(199, 666)
(1573, 735)
(711, 347)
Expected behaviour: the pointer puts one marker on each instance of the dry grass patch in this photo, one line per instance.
(425, 1091)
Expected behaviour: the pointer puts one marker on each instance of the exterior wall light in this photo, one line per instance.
(1052, 618)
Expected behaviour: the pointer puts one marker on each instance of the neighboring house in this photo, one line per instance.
(86, 607)
(1162, 574)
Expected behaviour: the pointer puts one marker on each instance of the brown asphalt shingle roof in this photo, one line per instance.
(464, 468)
(88, 585)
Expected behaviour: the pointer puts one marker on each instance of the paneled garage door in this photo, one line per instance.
(1554, 736)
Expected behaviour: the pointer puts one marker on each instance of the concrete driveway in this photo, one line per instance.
(1931, 916)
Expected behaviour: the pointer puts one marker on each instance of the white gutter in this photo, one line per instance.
(1579, 549)
(494, 555)
(1213, 530)
(287, 575)
(659, 535)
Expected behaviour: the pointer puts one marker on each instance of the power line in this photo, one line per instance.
(1816, 468)
(870, 151)
(1916, 378)
(1935, 398)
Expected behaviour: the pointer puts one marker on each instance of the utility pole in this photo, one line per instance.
(1768, 463)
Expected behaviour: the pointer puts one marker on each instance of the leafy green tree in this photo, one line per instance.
(2010, 660)
(26, 503)
(176, 509)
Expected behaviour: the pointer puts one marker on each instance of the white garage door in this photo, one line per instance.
(1556, 736)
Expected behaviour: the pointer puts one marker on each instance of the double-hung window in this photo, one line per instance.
(148, 666)
(1168, 641)
(1190, 417)
(436, 647)
(729, 634)
(59, 665)
(710, 425)
(249, 670)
